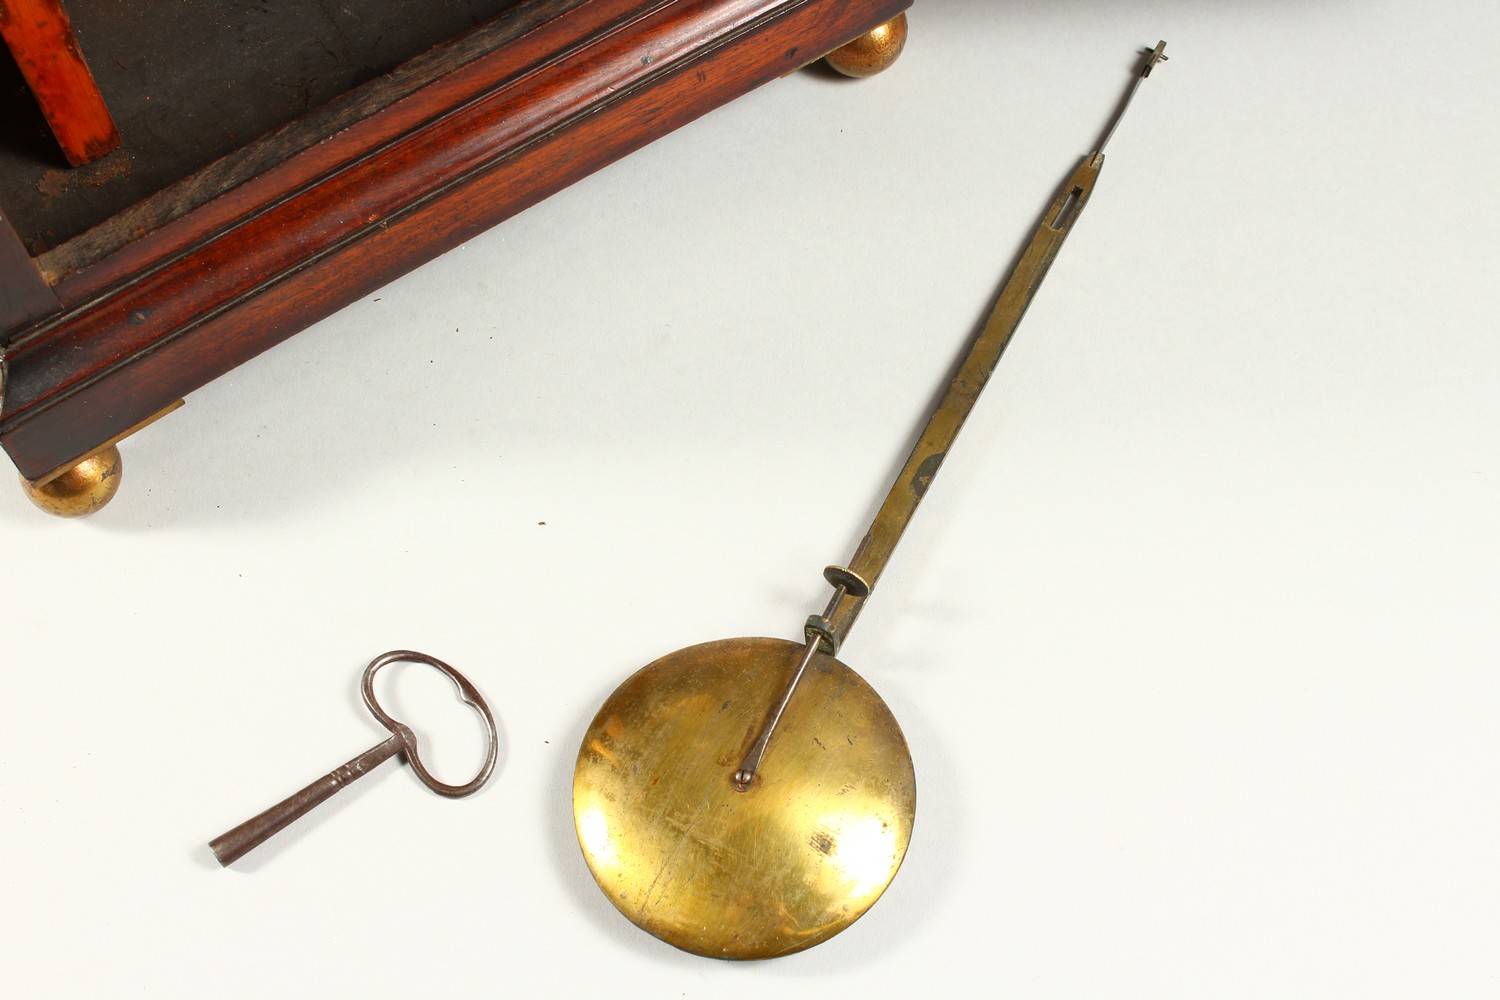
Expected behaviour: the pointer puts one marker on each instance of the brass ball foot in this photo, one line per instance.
(872, 52)
(81, 490)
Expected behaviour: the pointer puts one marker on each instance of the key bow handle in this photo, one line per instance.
(466, 691)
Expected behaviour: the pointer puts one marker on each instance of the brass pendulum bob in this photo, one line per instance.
(749, 798)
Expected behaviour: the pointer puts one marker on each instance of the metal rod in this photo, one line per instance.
(746, 773)
(828, 631)
(1156, 55)
(963, 391)
(230, 847)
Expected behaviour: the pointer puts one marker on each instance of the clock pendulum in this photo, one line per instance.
(749, 798)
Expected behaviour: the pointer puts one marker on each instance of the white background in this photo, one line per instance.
(1195, 639)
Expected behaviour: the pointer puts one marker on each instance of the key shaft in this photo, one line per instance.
(231, 846)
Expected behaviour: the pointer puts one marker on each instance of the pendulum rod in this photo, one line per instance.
(852, 585)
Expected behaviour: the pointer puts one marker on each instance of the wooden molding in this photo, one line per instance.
(483, 137)
(24, 294)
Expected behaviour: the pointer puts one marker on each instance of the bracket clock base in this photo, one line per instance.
(114, 326)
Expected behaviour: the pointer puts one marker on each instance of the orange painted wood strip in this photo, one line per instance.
(41, 39)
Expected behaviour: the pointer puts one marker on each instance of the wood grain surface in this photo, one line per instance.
(182, 305)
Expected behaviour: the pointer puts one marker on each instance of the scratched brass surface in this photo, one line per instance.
(83, 487)
(79, 490)
(742, 875)
(873, 52)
